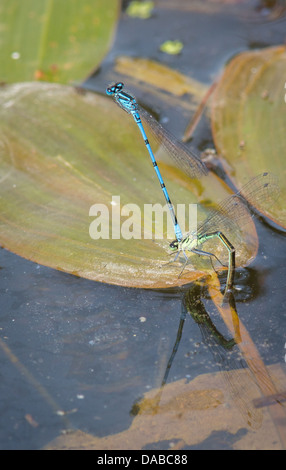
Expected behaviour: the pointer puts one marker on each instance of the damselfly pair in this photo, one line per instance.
(233, 211)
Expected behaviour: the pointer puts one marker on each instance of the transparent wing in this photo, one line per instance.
(183, 157)
(232, 215)
(261, 192)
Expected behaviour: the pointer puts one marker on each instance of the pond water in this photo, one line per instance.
(83, 356)
(92, 350)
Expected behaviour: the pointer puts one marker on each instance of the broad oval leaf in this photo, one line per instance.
(249, 119)
(54, 41)
(66, 157)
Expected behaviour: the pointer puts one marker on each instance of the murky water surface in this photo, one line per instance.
(81, 355)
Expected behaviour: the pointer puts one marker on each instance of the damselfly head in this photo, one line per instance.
(174, 245)
(112, 90)
(119, 86)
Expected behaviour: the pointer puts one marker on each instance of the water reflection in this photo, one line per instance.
(242, 370)
(226, 355)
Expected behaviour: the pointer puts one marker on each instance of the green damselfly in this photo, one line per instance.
(227, 220)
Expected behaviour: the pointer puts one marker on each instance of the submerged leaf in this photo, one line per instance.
(159, 76)
(69, 159)
(186, 414)
(249, 118)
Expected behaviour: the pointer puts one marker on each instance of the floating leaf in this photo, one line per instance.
(141, 10)
(55, 41)
(62, 152)
(172, 47)
(249, 118)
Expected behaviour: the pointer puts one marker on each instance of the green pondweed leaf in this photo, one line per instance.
(249, 118)
(56, 41)
(72, 165)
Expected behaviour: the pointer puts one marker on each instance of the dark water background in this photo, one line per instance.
(81, 346)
